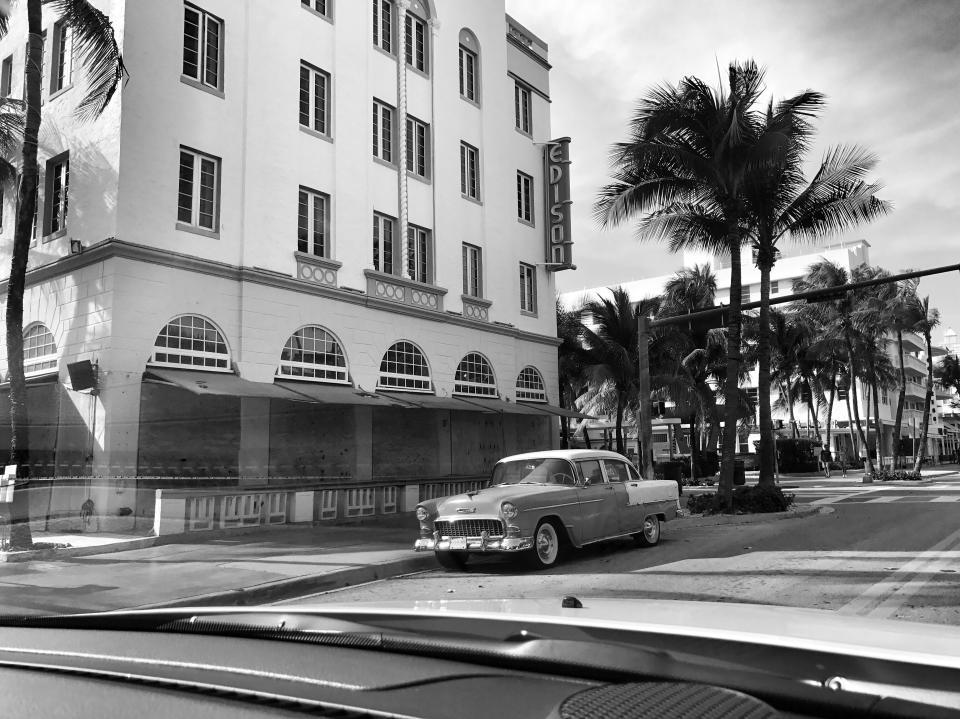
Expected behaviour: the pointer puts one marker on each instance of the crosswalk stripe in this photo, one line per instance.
(881, 499)
(945, 499)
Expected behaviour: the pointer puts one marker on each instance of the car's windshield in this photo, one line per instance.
(533, 471)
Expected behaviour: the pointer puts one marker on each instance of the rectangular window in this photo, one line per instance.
(314, 91)
(56, 190)
(753, 393)
(383, 233)
(415, 35)
(382, 131)
(528, 288)
(383, 25)
(468, 74)
(418, 253)
(6, 76)
(774, 287)
(418, 147)
(318, 6)
(472, 271)
(469, 171)
(62, 71)
(745, 293)
(202, 41)
(521, 107)
(312, 222)
(198, 199)
(524, 197)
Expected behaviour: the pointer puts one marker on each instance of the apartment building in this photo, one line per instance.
(306, 240)
(943, 439)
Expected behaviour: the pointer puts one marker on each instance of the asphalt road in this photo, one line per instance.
(885, 552)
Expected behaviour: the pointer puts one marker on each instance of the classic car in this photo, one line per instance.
(540, 504)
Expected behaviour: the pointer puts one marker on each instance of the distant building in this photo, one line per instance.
(303, 241)
(790, 267)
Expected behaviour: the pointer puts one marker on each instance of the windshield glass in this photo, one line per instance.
(533, 471)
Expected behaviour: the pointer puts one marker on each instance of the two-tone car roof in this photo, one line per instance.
(568, 454)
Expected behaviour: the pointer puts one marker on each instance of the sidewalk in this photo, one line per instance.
(247, 568)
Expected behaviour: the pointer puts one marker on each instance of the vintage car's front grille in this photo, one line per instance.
(469, 527)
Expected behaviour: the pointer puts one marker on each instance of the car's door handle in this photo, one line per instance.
(634, 484)
(609, 488)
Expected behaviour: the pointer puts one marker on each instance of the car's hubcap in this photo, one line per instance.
(651, 529)
(547, 544)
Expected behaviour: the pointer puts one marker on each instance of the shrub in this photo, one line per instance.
(702, 503)
(754, 499)
(898, 475)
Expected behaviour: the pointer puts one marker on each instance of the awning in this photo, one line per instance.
(337, 394)
(499, 406)
(426, 401)
(222, 384)
(51, 378)
(558, 411)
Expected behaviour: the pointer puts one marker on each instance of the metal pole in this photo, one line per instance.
(644, 428)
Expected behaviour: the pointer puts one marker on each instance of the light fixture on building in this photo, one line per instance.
(76, 247)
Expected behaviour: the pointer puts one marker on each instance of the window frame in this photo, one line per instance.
(470, 153)
(311, 227)
(525, 202)
(745, 293)
(412, 23)
(6, 76)
(200, 80)
(313, 73)
(527, 391)
(341, 371)
(475, 364)
(61, 69)
(196, 188)
(528, 298)
(405, 382)
(222, 360)
(388, 44)
(380, 222)
(419, 260)
(472, 256)
(522, 108)
(41, 364)
(468, 88)
(384, 143)
(417, 146)
(63, 206)
(326, 13)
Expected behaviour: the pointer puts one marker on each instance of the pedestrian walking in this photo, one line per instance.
(826, 458)
(843, 464)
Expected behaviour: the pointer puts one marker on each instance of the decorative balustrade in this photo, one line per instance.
(404, 291)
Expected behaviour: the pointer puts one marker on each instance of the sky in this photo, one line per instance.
(890, 70)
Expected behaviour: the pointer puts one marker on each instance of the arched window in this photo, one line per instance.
(404, 367)
(313, 353)
(530, 385)
(39, 351)
(191, 342)
(469, 66)
(475, 377)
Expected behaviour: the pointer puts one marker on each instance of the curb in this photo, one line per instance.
(30, 555)
(295, 586)
(719, 519)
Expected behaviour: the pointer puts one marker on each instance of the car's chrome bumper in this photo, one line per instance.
(473, 544)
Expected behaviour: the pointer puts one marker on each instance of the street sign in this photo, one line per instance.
(7, 483)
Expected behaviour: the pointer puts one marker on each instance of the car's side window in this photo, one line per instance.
(590, 468)
(616, 471)
(634, 474)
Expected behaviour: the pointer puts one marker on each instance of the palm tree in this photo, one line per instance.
(611, 349)
(930, 319)
(948, 372)
(682, 173)
(570, 364)
(96, 51)
(783, 204)
(904, 318)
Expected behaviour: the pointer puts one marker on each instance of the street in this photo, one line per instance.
(879, 551)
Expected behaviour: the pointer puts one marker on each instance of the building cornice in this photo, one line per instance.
(527, 51)
(113, 248)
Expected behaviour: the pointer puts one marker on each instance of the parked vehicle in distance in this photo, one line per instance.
(542, 503)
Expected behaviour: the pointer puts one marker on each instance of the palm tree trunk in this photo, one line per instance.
(564, 421)
(620, 447)
(924, 428)
(20, 535)
(816, 421)
(694, 449)
(876, 418)
(901, 398)
(731, 389)
(853, 437)
(767, 459)
(856, 408)
(787, 392)
(833, 390)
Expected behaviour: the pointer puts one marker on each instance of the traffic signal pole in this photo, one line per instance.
(644, 418)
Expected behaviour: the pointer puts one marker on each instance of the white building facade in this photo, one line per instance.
(943, 438)
(334, 210)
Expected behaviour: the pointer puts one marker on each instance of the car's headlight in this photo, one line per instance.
(509, 510)
(422, 514)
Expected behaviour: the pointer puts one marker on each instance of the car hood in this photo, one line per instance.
(489, 499)
(814, 629)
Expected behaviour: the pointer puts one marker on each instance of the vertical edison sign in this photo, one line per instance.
(559, 239)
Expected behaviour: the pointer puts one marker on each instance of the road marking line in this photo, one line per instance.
(841, 497)
(890, 594)
(881, 499)
(945, 499)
